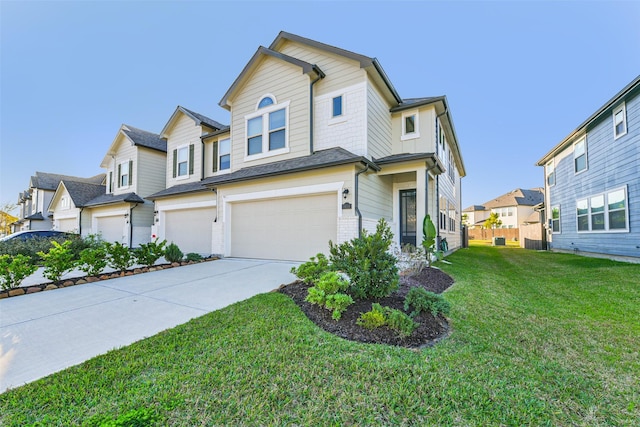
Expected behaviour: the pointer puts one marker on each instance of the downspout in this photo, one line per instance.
(202, 160)
(320, 76)
(80, 222)
(131, 225)
(355, 199)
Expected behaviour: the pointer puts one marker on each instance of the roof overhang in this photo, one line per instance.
(310, 69)
(580, 130)
(401, 163)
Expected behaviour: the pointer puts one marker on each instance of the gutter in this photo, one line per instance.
(321, 75)
(355, 199)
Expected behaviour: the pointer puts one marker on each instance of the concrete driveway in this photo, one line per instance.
(46, 332)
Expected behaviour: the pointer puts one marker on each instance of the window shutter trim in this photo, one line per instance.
(175, 162)
(130, 172)
(119, 175)
(191, 158)
(215, 156)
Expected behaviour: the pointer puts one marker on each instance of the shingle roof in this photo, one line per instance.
(204, 119)
(474, 208)
(50, 181)
(108, 199)
(191, 187)
(36, 216)
(83, 192)
(517, 197)
(143, 138)
(320, 159)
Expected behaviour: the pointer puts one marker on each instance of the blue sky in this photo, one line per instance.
(519, 76)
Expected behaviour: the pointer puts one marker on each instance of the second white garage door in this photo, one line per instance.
(69, 225)
(111, 228)
(294, 228)
(190, 229)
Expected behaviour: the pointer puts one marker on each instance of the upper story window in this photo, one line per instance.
(125, 170)
(603, 212)
(580, 155)
(410, 128)
(551, 173)
(65, 202)
(266, 129)
(619, 121)
(222, 155)
(336, 106)
(183, 159)
(555, 219)
(265, 102)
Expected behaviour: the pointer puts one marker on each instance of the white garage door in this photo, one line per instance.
(294, 228)
(190, 229)
(111, 228)
(67, 224)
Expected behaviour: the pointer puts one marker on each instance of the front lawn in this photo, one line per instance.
(538, 339)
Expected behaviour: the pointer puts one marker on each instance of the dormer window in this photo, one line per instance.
(410, 129)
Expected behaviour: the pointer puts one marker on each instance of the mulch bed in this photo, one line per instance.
(431, 328)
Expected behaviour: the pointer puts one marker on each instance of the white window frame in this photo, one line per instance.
(559, 220)
(582, 140)
(623, 109)
(342, 117)
(65, 202)
(606, 212)
(124, 165)
(416, 125)
(550, 165)
(220, 154)
(264, 113)
(184, 147)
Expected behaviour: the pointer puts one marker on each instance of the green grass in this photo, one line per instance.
(538, 339)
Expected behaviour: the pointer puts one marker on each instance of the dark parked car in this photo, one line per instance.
(43, 234)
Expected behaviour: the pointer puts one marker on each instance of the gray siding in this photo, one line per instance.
(611, 164)
(375, 198)
(378, 124)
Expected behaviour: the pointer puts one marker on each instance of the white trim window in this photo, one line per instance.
(604, 212)
(266, 130)
(65, 202)
(124, 174)
(580, 155)
(224, 154)
(410, 125)
(551, 173)
(619, 121)
(336, 106)
(182, 162)
(555, 219)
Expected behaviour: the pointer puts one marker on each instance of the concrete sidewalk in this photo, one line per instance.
(46, 332)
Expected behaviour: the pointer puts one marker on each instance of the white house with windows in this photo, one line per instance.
(514, 208)
(592, 188)
(320, 146)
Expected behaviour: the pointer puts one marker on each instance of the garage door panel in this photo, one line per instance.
(68, 225)
(111, 228)
(294, 228)
(190, 229)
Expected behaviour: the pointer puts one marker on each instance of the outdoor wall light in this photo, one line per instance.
(345, 192)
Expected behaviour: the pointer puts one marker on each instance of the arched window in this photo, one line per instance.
(265, 102)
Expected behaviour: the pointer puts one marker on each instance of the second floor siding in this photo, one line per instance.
(289, 89)
(181, 137)
(379, 132)
(124, 157)
(424, 141)
(150, 170)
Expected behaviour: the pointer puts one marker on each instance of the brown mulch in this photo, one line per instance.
(431, 328)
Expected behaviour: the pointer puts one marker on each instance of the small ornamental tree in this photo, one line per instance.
(13, 270)
(493, 222)
(429, 238)
(58, 260)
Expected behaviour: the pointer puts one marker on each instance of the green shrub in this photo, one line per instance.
(311, 270)
(368, 263)
(93, 260)
(58, 260)
(400, 322)
(192, 256)
(327, 294)
(422, 300)
(13, 270)
(374, 318)
(134, 418)
(119, 256)
(148, 253)
(173, 253)
(338, 303)
(28, 247)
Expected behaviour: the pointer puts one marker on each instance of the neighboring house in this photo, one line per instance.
(514, 208)
(320, 146)
(34, 202)
(592, 189)
(135, 166)
(5, 223)
(185, 210)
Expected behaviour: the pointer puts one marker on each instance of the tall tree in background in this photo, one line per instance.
(493, 222)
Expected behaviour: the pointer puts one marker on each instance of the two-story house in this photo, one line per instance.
(321, 146)
(34, 202)
(134, 168)
(185, 210)
(592, 189)
(514, 208)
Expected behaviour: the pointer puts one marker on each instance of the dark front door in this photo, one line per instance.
(408, 217)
